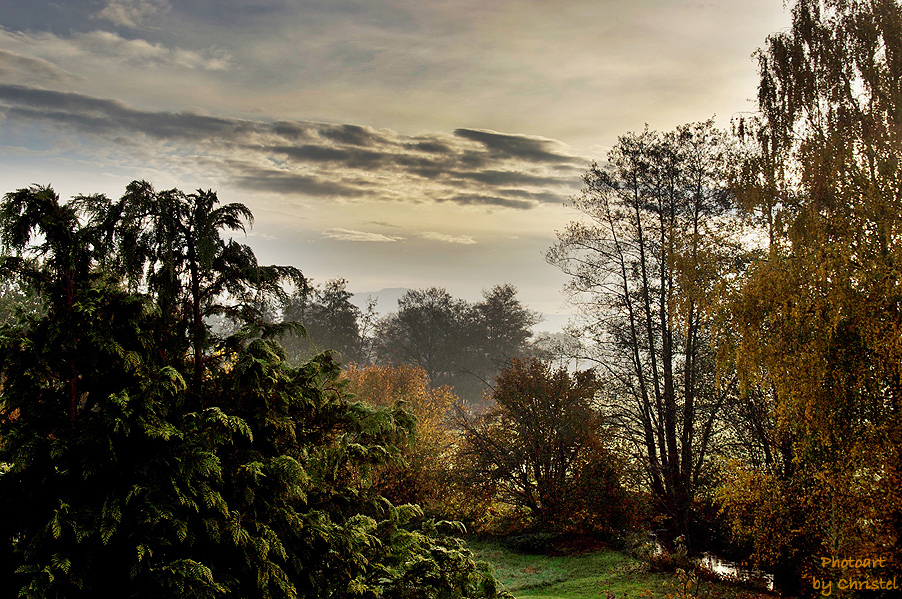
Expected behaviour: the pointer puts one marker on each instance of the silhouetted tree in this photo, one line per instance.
(429, 330)
(644, 265)
(457, 343)
(330, 320)
(171, 244)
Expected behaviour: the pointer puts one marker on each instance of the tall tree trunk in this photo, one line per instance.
(197, 322)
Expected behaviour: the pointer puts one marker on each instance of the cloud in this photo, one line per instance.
(495, 177)
(462, 239)
(482, 200)
(96, 115)
(266, 236)
(17, 67)
(533, 149)
(293, 130)
(382, 223)
(348, 162)
(288, 183)
(351, 235)
(544, 197)
(139, 52)
(354, 135)
(130, 13)
(434, 147)
(106, 50)
(354, 157)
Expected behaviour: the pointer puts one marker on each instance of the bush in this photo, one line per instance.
(544, 424)
(422, 474)
(543, 543)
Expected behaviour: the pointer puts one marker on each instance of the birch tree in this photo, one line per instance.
(820, 313)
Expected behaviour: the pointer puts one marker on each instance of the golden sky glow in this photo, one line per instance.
(397, 143)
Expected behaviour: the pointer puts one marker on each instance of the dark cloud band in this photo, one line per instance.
(305, 158)
(515, 146)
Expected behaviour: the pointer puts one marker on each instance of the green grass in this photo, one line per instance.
(603, 574)
(578, 576)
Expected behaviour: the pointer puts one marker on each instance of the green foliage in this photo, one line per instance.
(117, 481)
(686, 585)
(171, 244)
(17, 301)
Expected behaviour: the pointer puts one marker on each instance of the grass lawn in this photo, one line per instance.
(590, 575)
(577, 576)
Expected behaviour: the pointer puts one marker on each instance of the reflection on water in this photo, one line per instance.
(719, 566)
(725, 568)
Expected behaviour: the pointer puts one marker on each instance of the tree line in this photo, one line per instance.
(461, 344)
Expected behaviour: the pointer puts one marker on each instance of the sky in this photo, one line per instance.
(395, 143)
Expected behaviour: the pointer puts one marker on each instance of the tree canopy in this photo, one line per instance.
(142, 456)
(818, 315)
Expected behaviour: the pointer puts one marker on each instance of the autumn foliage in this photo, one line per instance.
(818, 315)
(543, 448)
(423, 476)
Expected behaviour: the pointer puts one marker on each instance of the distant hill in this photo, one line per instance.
(551, 323)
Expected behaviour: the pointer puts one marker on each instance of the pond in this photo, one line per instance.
(722, 567)
(727, 568)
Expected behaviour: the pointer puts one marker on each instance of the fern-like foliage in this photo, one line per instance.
(125, 474)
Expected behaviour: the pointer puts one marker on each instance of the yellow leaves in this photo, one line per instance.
(60, 563)
(758, 509)
(383, 386)
(240, 537)
(56, 523)
(423, 477)
(110, 518)
(234, 424)
(173, 380)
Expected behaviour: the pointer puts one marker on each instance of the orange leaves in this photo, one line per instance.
(384, 385)
(424, 478)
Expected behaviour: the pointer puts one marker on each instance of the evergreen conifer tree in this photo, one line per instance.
(115, 481)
